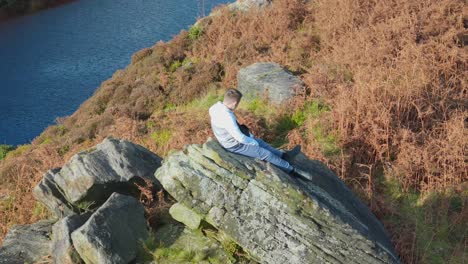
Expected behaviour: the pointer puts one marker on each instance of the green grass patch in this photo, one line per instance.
(169, 107)
(63, 150)
(43, 139)
(259, 107)
(281, 129)
(205, 102)
(85, 206)
(235, 252)
(175, 65)
(189, 62)
(4, 149)
(176, 255)
(328, 142)
(39, 209)
(315, 110)
(7, 203)
(312, 109)
(19, 150)
(161, 137)
(152, 250)
(195, 32)
(151, 124)
(436, 219)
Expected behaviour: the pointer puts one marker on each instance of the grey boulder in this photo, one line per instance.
(245, 5)
(50, 194)
(27, 243)
(272, 216)
(91, 176)
(267, 79)
(63, 250)
(113, 233)
(185, 215)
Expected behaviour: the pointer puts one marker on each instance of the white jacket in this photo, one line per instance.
(225, 128)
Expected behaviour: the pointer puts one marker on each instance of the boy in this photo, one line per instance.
(229, 135)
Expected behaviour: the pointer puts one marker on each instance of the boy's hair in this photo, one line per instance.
(232, 95)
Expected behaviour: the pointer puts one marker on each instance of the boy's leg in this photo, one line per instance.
(263, 154)
(267, 146)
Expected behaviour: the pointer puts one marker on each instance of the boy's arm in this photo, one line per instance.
(233, 129)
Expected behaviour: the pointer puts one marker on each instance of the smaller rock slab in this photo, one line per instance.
(62, 248)
(27, 243)
(185, 215)
(268, 79)
(113, 233)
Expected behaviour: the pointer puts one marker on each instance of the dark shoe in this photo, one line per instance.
(302, 173)
(289, 155)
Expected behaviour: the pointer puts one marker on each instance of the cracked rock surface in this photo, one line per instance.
(276, 218)
(27, 243)
(91, 176)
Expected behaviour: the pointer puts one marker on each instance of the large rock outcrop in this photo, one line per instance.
(276, 218)
(27, 243)
(113, 233)
(268, 79)
(91, 176)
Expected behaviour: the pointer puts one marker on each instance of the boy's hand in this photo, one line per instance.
(254, 142)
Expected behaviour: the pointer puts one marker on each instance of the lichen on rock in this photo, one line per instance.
(272, 216)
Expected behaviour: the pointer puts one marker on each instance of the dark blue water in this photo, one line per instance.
(53, 60)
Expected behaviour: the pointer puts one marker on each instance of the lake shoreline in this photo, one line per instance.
(66, 52)
(16, 10)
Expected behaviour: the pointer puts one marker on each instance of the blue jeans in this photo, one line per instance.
(263, 152)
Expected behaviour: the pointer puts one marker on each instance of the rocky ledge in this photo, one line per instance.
(273, 217)
(232, 205)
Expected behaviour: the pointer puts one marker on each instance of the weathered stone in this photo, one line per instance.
(276, 218)
(244, 5)
(266, 79)
(27, 243)
(185, 215)
(90, 177)
(113, 233)
(51, 195)
(239, 5)
(62, 248)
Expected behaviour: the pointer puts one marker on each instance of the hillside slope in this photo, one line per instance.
(385, 108)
